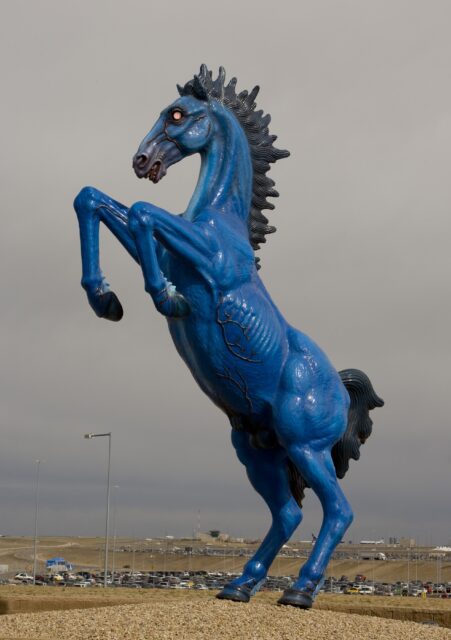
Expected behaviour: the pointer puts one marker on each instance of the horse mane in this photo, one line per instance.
(262, 150)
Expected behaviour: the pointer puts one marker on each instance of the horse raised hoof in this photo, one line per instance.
(107, 305)
(296, 598)
(172, 304)
(236, 593)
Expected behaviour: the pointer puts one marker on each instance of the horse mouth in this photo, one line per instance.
(155, 173)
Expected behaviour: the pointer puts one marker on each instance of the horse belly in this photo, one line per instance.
(237, 355)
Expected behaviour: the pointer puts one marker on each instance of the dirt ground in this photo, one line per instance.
(162, 615)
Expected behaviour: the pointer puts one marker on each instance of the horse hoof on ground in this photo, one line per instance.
(296, 598)
(107, 306)
(235, 593)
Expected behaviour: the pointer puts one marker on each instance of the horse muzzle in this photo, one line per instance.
(145, 167)
(153, 158)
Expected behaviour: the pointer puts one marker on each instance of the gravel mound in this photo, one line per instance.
(209, 620)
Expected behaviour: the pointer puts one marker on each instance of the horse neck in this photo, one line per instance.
(225, 178)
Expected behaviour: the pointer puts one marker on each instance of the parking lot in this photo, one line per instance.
(204, 580)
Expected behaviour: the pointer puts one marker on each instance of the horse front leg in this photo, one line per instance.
(92, 207)
(150, 226)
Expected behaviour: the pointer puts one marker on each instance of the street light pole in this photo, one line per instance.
(116, 486)
(89, 436)
(408, 570)
(36, 512)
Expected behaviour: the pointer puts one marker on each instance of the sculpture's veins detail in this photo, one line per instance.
(239, 382)
(236, 325)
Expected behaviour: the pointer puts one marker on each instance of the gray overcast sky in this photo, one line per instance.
(360, 92)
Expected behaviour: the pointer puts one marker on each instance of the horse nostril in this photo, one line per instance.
(141, 160)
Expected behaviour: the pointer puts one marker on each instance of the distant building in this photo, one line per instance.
(213, 536)
(407, 542)
(440, 552)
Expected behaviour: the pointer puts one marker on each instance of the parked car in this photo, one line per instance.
(57, 577)
(23, 576)
(353, 590)
(366, 591)
(184, 585)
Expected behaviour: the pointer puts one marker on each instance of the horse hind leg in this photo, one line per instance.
(267, 472)
(318, 470)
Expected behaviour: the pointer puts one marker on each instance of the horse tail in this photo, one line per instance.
(363, 400)
(297, 482)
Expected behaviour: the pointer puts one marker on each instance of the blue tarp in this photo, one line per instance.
(52, 562)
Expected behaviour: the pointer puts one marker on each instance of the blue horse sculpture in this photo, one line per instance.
(295, 421)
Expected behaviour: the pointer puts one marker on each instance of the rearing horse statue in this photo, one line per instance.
(295, 420)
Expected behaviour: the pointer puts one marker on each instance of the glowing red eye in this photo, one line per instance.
(176, 115)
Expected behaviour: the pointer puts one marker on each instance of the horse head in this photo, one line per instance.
(183, 128)
(210, 118)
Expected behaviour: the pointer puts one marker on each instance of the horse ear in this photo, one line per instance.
(180, 90)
